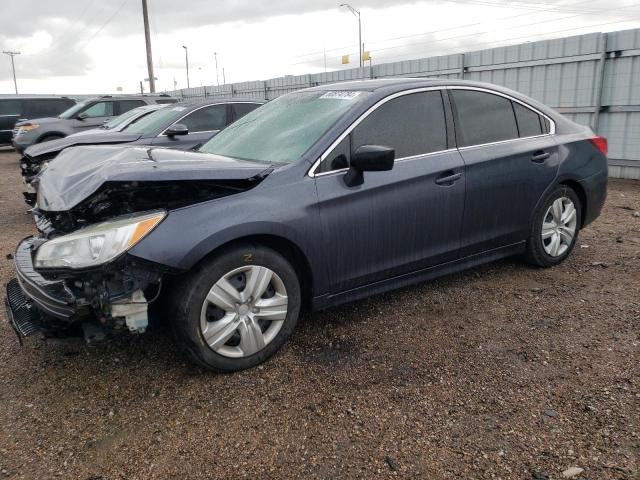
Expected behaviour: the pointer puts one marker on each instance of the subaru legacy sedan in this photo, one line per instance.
(320, 197)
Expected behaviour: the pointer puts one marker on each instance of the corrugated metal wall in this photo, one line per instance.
(594, 79)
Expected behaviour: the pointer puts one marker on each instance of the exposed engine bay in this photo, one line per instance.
(83, 204)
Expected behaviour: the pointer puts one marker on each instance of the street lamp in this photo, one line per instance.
(186, 59)
(357, 14)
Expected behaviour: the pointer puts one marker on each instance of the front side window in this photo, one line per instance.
(412, 124)
(283, 129)
(99, 109)
(206, 119)
(160, 119)
(483, 117)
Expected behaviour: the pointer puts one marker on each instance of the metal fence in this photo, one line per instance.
(594, 79)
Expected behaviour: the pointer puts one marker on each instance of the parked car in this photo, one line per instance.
(121, 122)
(18, 108)
(321, 196)
(180, 126)
(82, 116)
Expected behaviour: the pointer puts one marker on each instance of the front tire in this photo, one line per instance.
(237, 309)
(555, 228)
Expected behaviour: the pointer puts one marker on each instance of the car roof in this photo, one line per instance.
(211, 101)
(26, 96)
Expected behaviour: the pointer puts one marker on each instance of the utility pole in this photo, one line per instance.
(224, 80)
(215, 57)
(13, 67)
(186, 59)
(356, 13)
(147, 39)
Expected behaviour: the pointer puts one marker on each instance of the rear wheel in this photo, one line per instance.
(237, 309)
(555, 228)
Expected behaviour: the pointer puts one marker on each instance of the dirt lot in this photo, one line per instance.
(503, 371)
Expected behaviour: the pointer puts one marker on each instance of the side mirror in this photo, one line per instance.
(82, 116)
(368, 158)
(177, 129)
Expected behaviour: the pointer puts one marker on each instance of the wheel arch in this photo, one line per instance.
(50, 134)
(282, 245)
(582, 196)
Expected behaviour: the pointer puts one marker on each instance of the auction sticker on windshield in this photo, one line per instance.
(344, 95)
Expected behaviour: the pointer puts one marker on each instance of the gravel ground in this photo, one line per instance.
(503, 371)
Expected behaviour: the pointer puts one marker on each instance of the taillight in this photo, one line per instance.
(601, 144)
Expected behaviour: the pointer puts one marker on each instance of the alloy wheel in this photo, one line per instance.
(559, 226)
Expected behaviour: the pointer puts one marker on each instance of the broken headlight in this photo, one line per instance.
(96, 244)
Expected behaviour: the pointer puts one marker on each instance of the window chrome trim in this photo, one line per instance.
(163, 134)
(312, 171)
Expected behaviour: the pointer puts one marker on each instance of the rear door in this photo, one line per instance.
(203, 123)
(10, 113)
(400, 220)
(510, 159)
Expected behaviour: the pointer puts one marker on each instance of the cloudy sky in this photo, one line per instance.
(97, 46)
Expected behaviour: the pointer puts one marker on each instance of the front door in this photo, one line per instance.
(400, 220)
(94, 115)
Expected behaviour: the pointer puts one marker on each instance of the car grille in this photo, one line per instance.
(21, 311)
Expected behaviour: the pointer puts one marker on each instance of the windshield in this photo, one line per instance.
(120, 119)
(283, 129)
(70, 112)
(159, 119)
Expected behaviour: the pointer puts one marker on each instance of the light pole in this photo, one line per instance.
(13, 67)
(215, 57)
(357, 14)
(186, 59)
(147, 40)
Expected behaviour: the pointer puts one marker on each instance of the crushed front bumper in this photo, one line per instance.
(52, 297)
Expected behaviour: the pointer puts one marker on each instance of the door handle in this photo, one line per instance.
(448, 178)
(540, 156)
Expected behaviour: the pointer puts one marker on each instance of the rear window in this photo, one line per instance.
(46, 107)
(483, 117)
(166, 100)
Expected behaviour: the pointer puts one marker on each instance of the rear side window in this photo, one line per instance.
(99, 109)
(10, 107)
(482, 117)
(241, 109)
(411, 124)
(529, 122)
(126, 105)
(206, 119)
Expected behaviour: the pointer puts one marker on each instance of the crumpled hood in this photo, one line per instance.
(55, 146)
(77, 173)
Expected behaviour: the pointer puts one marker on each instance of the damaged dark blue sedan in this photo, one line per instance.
(322, 196)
